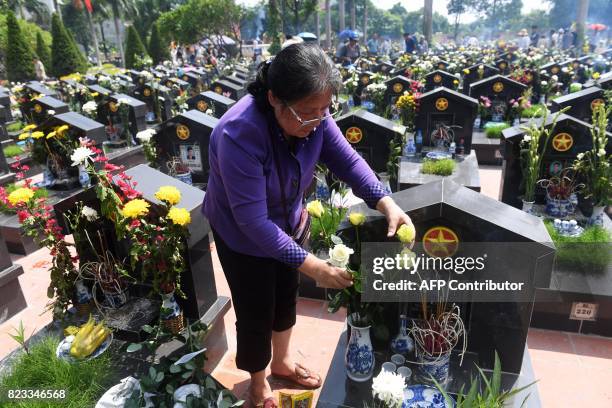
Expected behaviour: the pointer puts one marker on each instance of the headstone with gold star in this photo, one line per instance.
(236, 80)
(34, 88)
(228, 89)
(604, 82)
(438, 78)
(441, 65)
(570, 137)
(185, 137)
(370, 134)
(475, 73)
(194, 79)
(44, 107)
(136, 113)
(500, 90)
(581, 103)
(443, 110)
(5, 100)
(204, 101)
(384, 68)
(160, 110)
(396, 87)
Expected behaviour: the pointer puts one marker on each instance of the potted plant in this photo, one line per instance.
(594, 166)
(179, 170)
(561, 199)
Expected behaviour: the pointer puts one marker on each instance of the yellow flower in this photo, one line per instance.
(29, 127)
(357, 218)
(51, 134)
(21, 195)
(596, 75)
(456, 82)
(37, 135)
(406, 233)
(94, 94)
(135, 208)
(24, 136)
(179, 216)
(466, 71)
(60, 130)
(168, 194)
(315, 209)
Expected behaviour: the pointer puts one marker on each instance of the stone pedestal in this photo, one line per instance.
(465, 173)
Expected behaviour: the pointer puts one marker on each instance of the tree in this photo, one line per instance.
(457, 8)
(328, 43)
(19, 56)
(428, 20)
(341, 25)
(300, 10)
(273, 24)
(581, 15)
(121, 8)
(352, 14)
(498, 13)
(134, 49)
(43, 51)
(65, 56)
(157, 49)
(38, 10)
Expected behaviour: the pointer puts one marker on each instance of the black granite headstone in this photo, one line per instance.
(137, 111)
(39, 108)
(500, 90)
(219, 104)
(444, 112)
(604, 82)
(5, 100)
(384, 68)
(228, 89)
(396, 87)
(186, 136)
(581, 103)
(34, 88)
(370, 134)
(11, 296)
(439, 78)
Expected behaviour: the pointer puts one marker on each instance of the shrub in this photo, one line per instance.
(157, 50)
(134, 49)
(15, 126)
(442, 167)
(12, 151)
(43, 51)
(536, 111)
(495, 131)
(84, 382)
(65, 56)
(19, 55)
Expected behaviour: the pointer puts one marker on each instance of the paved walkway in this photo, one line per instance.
(573, 370)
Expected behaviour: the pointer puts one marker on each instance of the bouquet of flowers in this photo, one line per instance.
(484, 104)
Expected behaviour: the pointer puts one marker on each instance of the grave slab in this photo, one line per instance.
(465, 173)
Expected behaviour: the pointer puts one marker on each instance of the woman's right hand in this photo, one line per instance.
(326, 275)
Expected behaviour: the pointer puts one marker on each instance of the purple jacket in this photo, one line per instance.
(243, 201)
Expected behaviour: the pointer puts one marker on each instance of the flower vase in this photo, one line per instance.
(84, 178)
(433, 366)
(402, 343)
(597, 218)
(322, 191)
(115, 293)
(359, 356)
(542, 99)
(477, 122)
(351, 101)
(528, 206)
(516, 122)
(184, 177)
(83, 301)
(171, 314)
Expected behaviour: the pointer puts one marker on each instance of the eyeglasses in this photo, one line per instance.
(315, 121)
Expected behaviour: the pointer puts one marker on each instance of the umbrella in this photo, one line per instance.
(307, 36)
(597, 27)
(344, 34)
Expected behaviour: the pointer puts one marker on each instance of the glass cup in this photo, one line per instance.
(398, 360)
(405, 372)
(389, 366)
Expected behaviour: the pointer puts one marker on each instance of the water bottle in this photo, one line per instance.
(410, 148)
(419, 141)
(452, 149)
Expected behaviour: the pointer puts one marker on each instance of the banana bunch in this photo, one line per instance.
(88, 338)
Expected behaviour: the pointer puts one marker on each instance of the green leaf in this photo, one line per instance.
(159, 377)
(169, 389)
(186, 374)
(152, 373)
(210, 383)
(134, 347)
(175, 369)
(147, 329)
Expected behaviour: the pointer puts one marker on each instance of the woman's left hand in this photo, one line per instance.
(394, 214)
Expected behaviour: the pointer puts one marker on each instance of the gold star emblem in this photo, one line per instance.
(142, 80)
(202, 106)
(529, 77)
(562, 142)
(353, 134)
(441, 66)
(182, 132)
(113, 106)
(185, 77)
(554, 70)
(38, 108)
(503, 65)
(498, 87)
(437, 78)
(365, 79)
(383, 68)
(218, 90)
(169, 84)
(364, 65)
(596, 102)
(146, 92)
(398, 87)
(440, 241)
(441, 104)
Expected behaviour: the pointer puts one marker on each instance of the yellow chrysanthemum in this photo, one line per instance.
(20, 195)
(135, 208)
(62, 129)
(24, 136)
(51, 134)
(596, 75)
(405, 101)
(37, 135)
(168, 194)
(29, 127)
(94, 94)
(179, 216)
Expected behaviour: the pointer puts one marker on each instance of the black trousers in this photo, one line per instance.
(264, 296)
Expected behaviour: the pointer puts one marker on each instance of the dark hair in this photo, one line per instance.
(297, 71)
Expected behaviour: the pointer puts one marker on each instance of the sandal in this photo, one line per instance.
(300, 374)
(269, 402)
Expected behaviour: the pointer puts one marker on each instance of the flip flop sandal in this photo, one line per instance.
(300, 374)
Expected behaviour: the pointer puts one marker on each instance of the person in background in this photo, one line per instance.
(423, 46)
(535, 35)
(554, 39)
(349, 51)
(373, 45)
(566, 42)
(39, 67)
(410, 43)
(385, 47)
(523, 40)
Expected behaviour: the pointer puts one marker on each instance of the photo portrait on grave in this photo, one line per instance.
(262, 156)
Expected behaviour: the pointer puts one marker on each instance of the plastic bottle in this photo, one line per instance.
(410, 148)
(452, 149)
(419, 141)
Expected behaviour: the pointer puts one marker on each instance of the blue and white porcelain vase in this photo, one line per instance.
(435, 366)
(170, 314)
(359, 357)
(84, 178)
(402, 343)
(597, 218)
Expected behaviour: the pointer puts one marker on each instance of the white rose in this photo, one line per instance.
(145, 135)
(579, 156)
(51, 112)
(527, 138)
(89, 213)
(339, 255)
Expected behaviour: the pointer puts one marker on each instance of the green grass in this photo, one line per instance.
(591, 251)
(15, 126)
(442, 167)
(38, 193)
(84, 382)
(495, 131)
(536, 111)
(12, 151)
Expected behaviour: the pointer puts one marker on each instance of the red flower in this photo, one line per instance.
(22, 215)
(111, 167)
(135, 224)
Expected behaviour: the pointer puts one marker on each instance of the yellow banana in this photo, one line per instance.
(81, 336)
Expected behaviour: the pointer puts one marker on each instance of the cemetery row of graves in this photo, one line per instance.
(109, 171)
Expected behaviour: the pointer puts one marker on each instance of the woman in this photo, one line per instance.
(275, 136)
